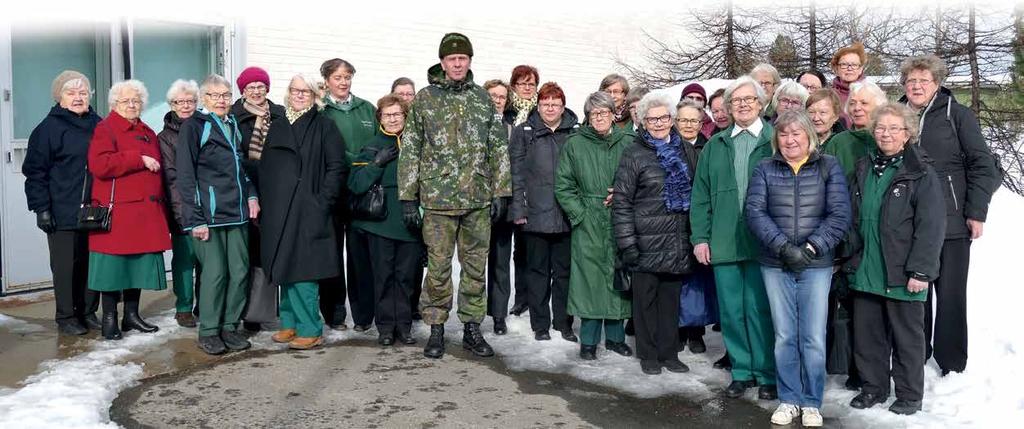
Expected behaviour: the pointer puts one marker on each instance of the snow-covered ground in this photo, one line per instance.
(77, 392)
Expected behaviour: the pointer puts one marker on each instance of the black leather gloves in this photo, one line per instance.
(499, 208)
(45, 222)
(411, 215)
(385, 156)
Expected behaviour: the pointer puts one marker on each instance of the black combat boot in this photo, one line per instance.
(473, 340)
(435, 344)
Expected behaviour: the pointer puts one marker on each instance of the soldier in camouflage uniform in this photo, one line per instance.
(454, 163)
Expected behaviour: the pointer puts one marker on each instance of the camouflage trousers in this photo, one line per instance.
(470, 230)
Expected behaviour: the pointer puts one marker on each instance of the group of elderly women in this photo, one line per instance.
(793, 199)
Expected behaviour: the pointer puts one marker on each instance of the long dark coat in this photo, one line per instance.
(303, 170)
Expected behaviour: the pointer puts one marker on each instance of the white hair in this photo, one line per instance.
(791, 88)
(766, 68)
(871, 89)
(189, 87)
(214, 80)
(313, 84)
(132, 84)
(739, 83)
(652, 100)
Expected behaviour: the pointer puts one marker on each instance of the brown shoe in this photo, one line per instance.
(305, 343)
(283, 336)
(185, 320)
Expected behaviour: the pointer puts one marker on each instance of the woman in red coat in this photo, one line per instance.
(124, 159)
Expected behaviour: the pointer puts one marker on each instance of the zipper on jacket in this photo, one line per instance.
(956, 205)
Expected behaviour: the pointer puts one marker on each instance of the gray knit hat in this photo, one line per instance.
(63, 78)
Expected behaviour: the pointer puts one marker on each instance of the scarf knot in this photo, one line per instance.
(880, 162)
(678, 185)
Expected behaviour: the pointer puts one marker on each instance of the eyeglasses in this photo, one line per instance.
(130, 101)
(880, 130)
(663, 119)
(297, 91)
(188, 102)
(615, 92)
(220, 96)
(601, 114)
(526, 85)
(696, 98)
(255, 89)
(812, 88)
(848, 66)
(499, 97)
(551, 106)
(743, 100)
(919, 82)
(390, 116)
(691, 122)
(789, 101)
(767, 83)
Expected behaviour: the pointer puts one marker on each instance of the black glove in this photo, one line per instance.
(630, 256)
(44, 220)
(385, 156)
(795, 258)
(411, 215)
(499, 208)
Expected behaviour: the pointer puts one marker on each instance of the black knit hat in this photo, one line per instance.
(454, 43)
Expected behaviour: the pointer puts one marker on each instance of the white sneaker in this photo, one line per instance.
(785, 414)
(812, 418)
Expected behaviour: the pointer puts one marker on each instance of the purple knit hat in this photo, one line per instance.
(691, 88)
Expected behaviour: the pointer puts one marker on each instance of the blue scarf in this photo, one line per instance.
(678, 185)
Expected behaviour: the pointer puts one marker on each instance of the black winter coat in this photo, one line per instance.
(534, 152)
(911, 222)
(812, 206)
(246, 123)
(951, 136)
(303, 169)
(639, 215)
(54, 165)
(168, 138)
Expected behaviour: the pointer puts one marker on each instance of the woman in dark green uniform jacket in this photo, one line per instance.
(394, 249)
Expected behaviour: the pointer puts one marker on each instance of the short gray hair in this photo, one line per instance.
(766, 68)
(872, 90)
(214, 80)
(598, 100)
(311, 83)
(652, 100)
(929, 63)
(795, 117)
(183, 86)
(791, 89)
(739, 83)
(612, 79)
(901, 111)
(690, 104)
(132, 84)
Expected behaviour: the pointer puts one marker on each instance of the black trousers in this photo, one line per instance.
(500, 258)
(656, 315)
(887, 329)
(69, 264)
(547, 280)
(950, 298)
(519, 263)
(395, 265)
(360, 276)
(839, 297)
(332, 290)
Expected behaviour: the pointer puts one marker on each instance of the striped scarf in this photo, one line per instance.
(259, 130)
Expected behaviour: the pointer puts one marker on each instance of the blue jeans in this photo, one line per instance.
(799, 304)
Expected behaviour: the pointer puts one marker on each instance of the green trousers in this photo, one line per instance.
(442, 230)
(183, 263)
(746, 321)
(300, 309)
(225, 278)
(590, 331)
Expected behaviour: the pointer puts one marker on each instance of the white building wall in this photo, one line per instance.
(576, 51)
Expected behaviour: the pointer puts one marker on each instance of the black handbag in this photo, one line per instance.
(370, 205)
(91, 215)
(262, 305)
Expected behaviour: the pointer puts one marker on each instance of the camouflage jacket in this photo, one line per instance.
(454, 148)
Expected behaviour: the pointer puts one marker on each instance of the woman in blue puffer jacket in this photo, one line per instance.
(798, 207)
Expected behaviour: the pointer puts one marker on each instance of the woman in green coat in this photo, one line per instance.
(583, 181)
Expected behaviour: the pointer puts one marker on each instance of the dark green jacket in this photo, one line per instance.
(586, 169)
(715, 212)
(357, 123)
(365, 174)
(848, 147)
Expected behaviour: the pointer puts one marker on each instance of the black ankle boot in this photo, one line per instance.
(110, 329)
(588, 352)
(132, 320)
(473, 340)
(435, 345)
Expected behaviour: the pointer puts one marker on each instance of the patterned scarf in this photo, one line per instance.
(522, 107)
(259, 131)
(676, 191)
(880, 162)
(294, 115)
(622, 114)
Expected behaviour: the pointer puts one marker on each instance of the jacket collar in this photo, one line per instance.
(813, 157)
(86, 121)
(119, 123)
(569, 121)
(754, 129)
(437, 77)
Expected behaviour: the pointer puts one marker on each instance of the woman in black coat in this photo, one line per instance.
(534, 151)
(303, 170)
(651, 224)
(54, 170)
